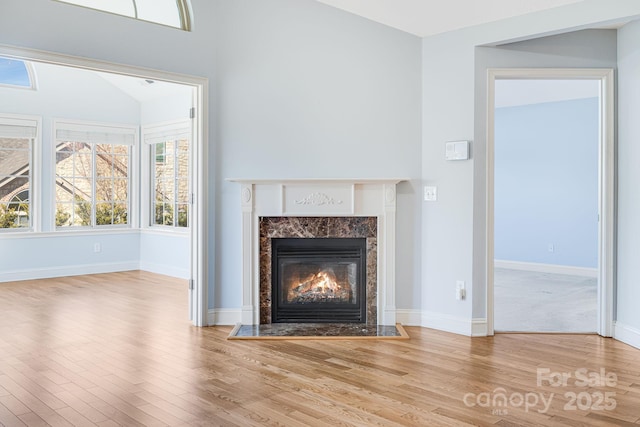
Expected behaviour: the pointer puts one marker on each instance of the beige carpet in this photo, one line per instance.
(526, 301)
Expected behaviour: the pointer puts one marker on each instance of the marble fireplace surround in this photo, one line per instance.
(321, 227)
(326, 200)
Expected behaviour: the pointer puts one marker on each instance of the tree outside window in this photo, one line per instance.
(170, 186)
(15, 177)
(92, 181)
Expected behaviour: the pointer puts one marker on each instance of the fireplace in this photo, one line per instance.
(324, 209)
(318, 280)
(326, 239)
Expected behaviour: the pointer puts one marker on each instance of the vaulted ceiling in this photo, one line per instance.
(428, 17)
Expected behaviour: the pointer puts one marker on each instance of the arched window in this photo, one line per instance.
(16, 73)
(174, 13)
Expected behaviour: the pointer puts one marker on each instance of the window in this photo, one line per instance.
(92, 175)
(169, 174)
(16, 73)
(174, 13)
(17, 138)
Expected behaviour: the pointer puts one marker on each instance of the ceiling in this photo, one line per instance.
(427, 17)
(145, 90)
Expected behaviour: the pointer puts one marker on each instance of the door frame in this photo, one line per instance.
(606, 181)
(198, 283)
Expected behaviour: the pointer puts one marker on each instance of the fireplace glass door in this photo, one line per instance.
(318, 280)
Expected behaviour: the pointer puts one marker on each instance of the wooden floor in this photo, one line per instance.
(117, 349)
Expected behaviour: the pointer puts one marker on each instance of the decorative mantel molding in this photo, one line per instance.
(318, 199)
(323, 198)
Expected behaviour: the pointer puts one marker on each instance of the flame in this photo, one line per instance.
(322, 284)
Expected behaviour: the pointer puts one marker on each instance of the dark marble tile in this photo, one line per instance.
(308, 227)
(317, 330)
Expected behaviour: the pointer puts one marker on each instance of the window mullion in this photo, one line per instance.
(175, 183)
(94, 169)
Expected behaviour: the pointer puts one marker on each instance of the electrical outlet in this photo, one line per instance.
(96, 247)
(430, 194)
(551, 247)
(460, 290)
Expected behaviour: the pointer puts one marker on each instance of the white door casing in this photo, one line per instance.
(606, 182)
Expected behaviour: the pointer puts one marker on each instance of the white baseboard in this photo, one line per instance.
(479, 327)
(70, 270)
(166, 270)
(224, 316)
(456, 325)
(546, 268)
(408, 317)
(626, 334)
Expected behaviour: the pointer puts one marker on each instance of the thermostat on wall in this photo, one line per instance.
(457, 150)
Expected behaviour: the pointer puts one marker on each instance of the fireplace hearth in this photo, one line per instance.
(318, 280)
(318, 208)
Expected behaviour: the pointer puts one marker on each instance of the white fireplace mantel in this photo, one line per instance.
(321, 198)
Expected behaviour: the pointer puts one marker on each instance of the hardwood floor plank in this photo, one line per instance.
(14, 405)
(9, 418)
(75, 417)
(117, 349)
(32, 420)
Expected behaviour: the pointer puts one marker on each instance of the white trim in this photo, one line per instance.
(377, 198)
(606, 205)
(626, 334)
(161, 230)
(155, 133)
(95, 132)
(546, 268)
(69, 270)
(28, 126)
(224, 316)
(606, 179)
(69, 233)
(97, 65)
(35, 165)
(181, 21)
(92, 133)
(168, 130)
(409, 317)
(199, 227)
(453, 324)
(198, 214)
(318, 181)
(479, 328)
(166, 270)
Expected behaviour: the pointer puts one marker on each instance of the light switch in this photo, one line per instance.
(430, 194)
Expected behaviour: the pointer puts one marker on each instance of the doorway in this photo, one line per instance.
(131, 80)
(549, 206)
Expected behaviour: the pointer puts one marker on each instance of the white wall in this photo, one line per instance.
(69, 93)
(453, 231)
(167, 108)
(309, 91)
(293, 79)
(65, 93)
(628, 277)
(298, 89)
(580, 49)
(161, 251)
(546, 181)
